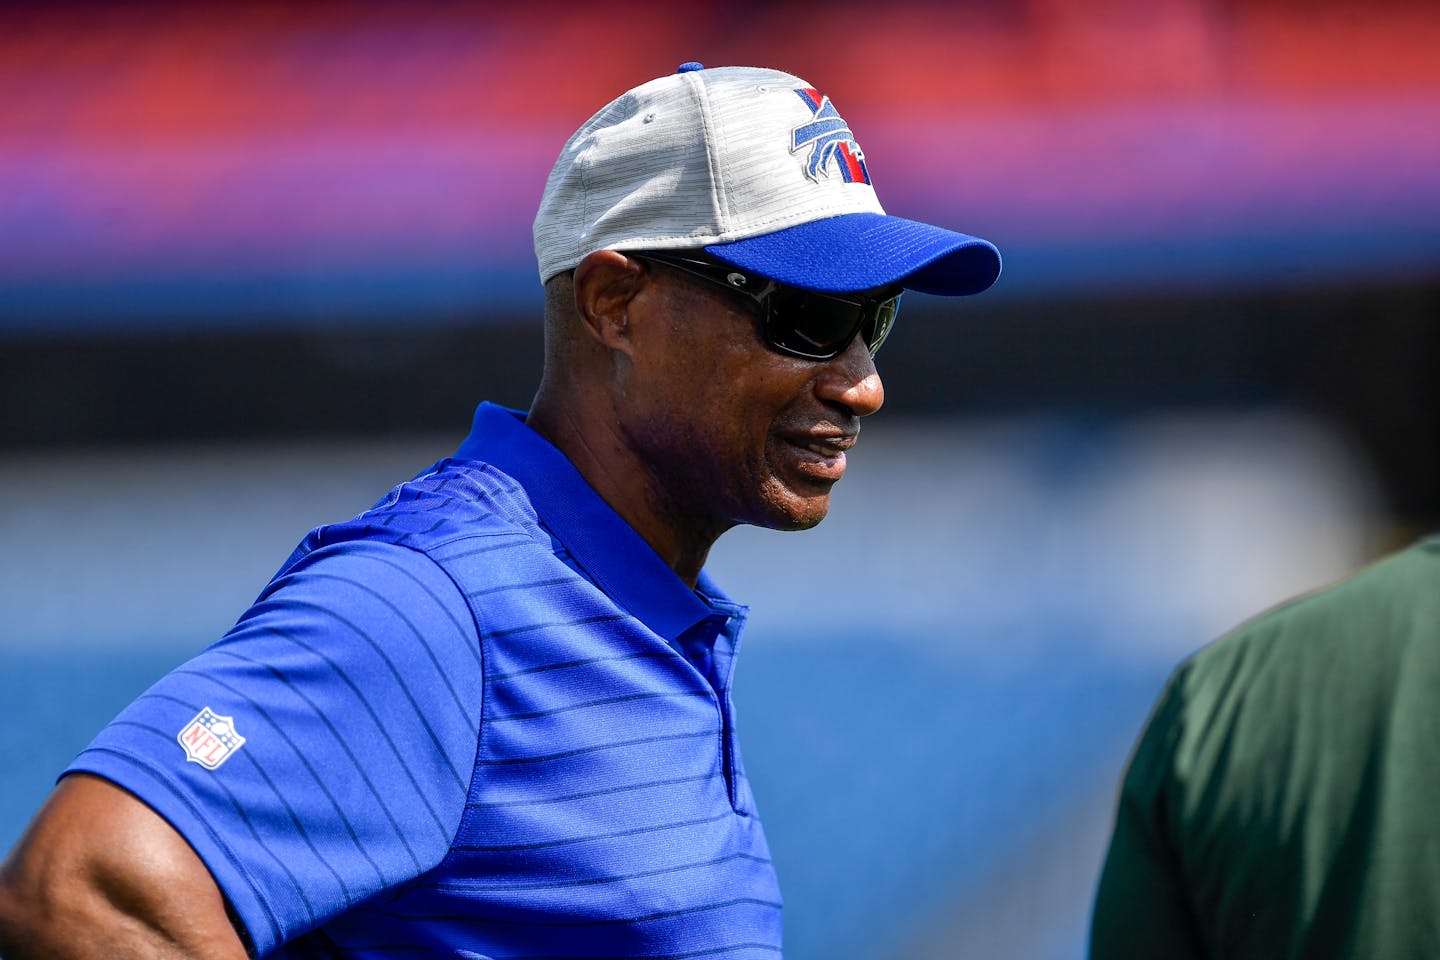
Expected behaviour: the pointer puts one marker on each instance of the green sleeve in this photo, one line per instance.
(1141, 910)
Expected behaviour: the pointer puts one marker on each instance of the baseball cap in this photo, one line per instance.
(757, 168)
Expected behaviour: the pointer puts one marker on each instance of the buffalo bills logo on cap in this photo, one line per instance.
(829, 137)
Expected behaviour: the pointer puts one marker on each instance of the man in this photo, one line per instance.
(1282, 801)
(490, 717)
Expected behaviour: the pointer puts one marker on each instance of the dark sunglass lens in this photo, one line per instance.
(812, 324)
(879, 329)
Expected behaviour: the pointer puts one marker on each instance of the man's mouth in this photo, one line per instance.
(831, 446)
(820, 458)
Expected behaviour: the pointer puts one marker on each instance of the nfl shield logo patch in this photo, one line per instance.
(210, 739)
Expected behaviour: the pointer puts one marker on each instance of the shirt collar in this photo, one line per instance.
(607, 548)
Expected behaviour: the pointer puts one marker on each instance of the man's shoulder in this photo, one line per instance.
(452, 500)
(1365, 626)
(454, 508)
(1390, 592)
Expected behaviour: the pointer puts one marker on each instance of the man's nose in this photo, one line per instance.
(852, 381)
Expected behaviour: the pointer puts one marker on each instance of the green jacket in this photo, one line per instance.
(1284, 799)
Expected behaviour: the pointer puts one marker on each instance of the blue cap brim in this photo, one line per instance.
(862, 251)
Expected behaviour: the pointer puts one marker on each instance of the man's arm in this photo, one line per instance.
(1142, 908)
(98, 874)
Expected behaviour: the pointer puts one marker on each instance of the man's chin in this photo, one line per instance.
(797, 511)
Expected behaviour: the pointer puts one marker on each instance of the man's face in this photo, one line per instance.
(731, 430)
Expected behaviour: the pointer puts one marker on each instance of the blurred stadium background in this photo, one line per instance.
(258, 262)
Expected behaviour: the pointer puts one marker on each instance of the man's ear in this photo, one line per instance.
(605, 283)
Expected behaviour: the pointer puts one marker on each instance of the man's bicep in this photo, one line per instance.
(1142, 907)
(98, 874)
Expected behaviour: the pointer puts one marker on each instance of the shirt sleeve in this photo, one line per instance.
(322, 751)
(1142, 909)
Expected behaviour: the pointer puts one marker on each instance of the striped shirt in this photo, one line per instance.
(482, 720)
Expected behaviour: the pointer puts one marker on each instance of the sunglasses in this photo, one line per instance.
(801, 323)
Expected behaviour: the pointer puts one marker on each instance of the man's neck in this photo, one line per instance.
(624, 482)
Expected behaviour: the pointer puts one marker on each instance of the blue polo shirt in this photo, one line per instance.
(482, 720)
